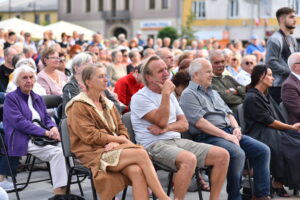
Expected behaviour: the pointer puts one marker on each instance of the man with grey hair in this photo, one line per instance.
(6, 69)
(158, 120)
(211, 121)
(148, 52)
(290, 92)
(168, 57)
(229, 89)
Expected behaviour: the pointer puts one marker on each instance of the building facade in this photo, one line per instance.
(35, 11)
(236, 19)
(112, 17)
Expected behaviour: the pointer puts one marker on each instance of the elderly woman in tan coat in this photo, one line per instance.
(100, 141)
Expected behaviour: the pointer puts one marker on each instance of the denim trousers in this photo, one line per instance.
(258, 155)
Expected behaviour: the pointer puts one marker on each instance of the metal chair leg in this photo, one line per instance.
(13, 177)
(124, 193)
(198, 183)
(170, 185)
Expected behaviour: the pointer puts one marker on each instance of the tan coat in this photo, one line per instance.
(88, 136)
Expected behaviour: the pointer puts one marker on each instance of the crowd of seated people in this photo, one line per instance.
(169, 89)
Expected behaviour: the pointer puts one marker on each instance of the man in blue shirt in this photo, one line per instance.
(211, 121)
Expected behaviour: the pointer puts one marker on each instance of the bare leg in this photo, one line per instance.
(186, 164)
(139, 185)
(60, 190)
(140, 158)
(218, 158)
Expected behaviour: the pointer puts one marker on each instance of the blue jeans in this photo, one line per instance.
(258, 155)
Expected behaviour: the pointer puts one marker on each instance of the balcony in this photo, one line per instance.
(116, 15)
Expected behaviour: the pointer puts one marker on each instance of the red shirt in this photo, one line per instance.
(125, 87)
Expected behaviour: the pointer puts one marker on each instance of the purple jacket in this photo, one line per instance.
(17, 121)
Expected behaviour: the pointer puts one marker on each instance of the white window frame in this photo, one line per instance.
(233, 9)
(199, 9)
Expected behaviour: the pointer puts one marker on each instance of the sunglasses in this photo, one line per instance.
(249, 63)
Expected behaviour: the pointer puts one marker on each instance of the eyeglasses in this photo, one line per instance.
(234, 59)
(249, 63)
(54, 58)
(297, 63)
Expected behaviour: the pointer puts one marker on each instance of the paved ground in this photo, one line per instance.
(42, 190)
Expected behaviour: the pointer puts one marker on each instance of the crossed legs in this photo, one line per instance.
(137, 166)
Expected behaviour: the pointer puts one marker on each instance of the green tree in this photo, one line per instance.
(168, 31)
(187, 30)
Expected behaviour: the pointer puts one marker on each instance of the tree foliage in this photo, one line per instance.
(168, 31)
(186, 29)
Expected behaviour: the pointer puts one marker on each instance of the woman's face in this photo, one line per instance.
(53, 61)
(98, 80)
(268, 79)
(26, 81)
(119, 57)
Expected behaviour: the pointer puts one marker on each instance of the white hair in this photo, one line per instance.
(291, 59)
(81, 59)
(196, 66)
(26, 61)
(22, 69)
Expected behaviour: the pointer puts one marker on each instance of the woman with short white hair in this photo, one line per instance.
(37, 88)
(25, 116)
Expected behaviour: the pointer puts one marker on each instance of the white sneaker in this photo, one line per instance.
(6, 185)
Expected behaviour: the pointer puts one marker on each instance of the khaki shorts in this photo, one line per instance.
(166, 151)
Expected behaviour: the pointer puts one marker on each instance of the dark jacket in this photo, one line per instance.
(290, 95)
(17, 120)
(222, 83)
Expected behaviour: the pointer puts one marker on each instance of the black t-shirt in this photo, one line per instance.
(4, 77)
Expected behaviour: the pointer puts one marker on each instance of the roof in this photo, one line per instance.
(28, 5)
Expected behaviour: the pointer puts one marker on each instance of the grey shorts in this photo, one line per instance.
(166, 151)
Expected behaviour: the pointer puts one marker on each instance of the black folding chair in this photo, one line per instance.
(76, 168)
(127, 122)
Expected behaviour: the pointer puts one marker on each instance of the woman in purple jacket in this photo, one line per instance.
(21, 107)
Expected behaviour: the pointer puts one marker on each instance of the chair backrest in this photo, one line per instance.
(65, 139)
(241, 118)
(127, 122)
(52, 101)
(284, 111)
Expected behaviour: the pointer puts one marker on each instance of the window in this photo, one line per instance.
(164, 4)
(68, 6)
(113, 5)
(47, 19)
(151, 4)
(18, 16)
(37, 19)
(100, 5)
(296, 5)
(199, 9)
(126, 7)
(233, 8)
(0, 17)
(88, 5)
(265, 8)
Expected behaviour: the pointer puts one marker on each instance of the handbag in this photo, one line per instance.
(42, 140)
(66, 197)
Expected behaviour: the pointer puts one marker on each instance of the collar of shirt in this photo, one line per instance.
(196, 87)
(297, 75)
